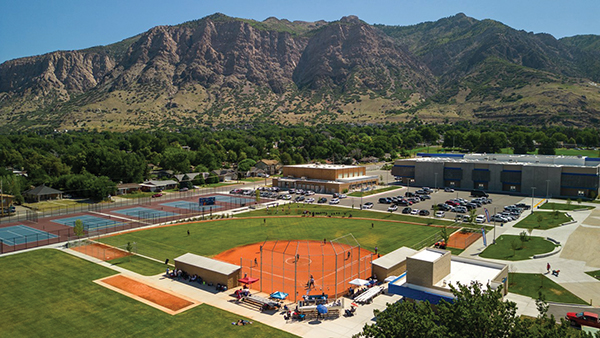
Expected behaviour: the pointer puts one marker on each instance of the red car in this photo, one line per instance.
(583, 319)
(157, 195)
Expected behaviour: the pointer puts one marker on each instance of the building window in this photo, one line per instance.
(452, 183)
(345, 175)
(513, 188)
(480, 186)
(339, 175)
(580, 193)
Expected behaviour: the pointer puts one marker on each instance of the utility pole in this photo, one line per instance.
(532, 192)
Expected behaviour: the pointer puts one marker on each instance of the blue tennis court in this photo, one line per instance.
(20, 234)
(144, 213)
(233, 199)
(89, 222)
(191, 206)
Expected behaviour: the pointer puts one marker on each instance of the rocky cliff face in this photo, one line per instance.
(220, 68)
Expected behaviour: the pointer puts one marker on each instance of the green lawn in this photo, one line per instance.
(426, 149)
(530, 284)
(548, 220)
(372, 192)
(503, 248)
(325, 209)
(595, 274)
(455, 251)
(141, 265)
(54, 295)
(211, 238)
(563, 206)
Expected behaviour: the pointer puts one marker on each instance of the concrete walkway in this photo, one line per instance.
(572, 270)
(340, 327)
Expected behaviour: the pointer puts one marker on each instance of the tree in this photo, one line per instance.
(245, 165)
(78, 228)
(445, 235)
(475, 312)
(129, 249)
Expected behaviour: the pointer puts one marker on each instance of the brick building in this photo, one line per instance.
(325, 178)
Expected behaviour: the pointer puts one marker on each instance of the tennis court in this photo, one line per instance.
(89, 222)
(144, 213)
(21, 234)
(191, 206)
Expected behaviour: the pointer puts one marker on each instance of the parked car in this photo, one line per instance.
(414, 212)
(461, 209)
(583, 319)
(336, 195)
(480, 219)
(523, 206)
(334, 201)
(310, 200)
(385, 200)
(367, 205)
(157, 194)
(406, 210)
(423, 212)
(420, 192)
(479, 193)
(287, 197)
(427, 190)
(322, 200)
(309, 193)
(446, 189)
(440, 214)
(393, 207)
(425, 197)
(343, 196)
(299, 198)
(409, 194)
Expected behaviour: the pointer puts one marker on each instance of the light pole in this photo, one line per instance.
(547, 188)
(532, 192)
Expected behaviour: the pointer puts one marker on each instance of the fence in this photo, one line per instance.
(290, 266)
(116, 223)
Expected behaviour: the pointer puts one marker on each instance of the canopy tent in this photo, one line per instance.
(322, 308)
(359, 282)
(248, 280)
(279, 295)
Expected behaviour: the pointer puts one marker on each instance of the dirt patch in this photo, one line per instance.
(460, 240)
(101, 251)
(583, 245)
(148, 293)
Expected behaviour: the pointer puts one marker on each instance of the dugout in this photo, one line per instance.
(392, 264)
(211, 270)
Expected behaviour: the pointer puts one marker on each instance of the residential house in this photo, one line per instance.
(226, 174)
(127, 188)
(42, 193)
(271, 167)
(153, 185)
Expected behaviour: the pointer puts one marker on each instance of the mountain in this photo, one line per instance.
(224, 70)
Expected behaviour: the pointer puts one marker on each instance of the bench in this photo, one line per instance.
(367, 296)
(260, 302)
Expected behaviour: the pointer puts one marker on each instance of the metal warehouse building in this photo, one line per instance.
(542, 175)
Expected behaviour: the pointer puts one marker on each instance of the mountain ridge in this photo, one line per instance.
(218, 69)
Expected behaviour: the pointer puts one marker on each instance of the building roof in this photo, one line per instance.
(338, 181)
(269, 162)
(208, 263)
(42, 190)
(509, 159)
(323, 166)
(390, 260)
(427, 255)
(190, 176)
(159, 183)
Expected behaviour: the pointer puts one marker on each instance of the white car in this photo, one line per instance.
(334, 201)
(480, 219)
(440, 214)
(414, 212)
(310, 200)
(343, 196)
(367, 205)
(393, 207)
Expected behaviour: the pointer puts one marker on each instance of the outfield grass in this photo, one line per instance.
(138, 264)
(373, 192)
(213, 237)
(296, 209)
(549, 220)
(503, 248)
(563, 206)
(53, 295)
(530, 284)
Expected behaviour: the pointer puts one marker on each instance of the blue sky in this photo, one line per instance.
(32, 27)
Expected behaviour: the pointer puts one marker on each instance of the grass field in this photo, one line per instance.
(595, 274)
(296, 209)
(56, 204)
(211, 238)
(548, 220)
(138, 264)
(563, 206)
(503, 248)
(372, 192)
(54, 296)
(530, 284)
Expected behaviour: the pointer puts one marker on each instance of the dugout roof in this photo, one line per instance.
(207, 263)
